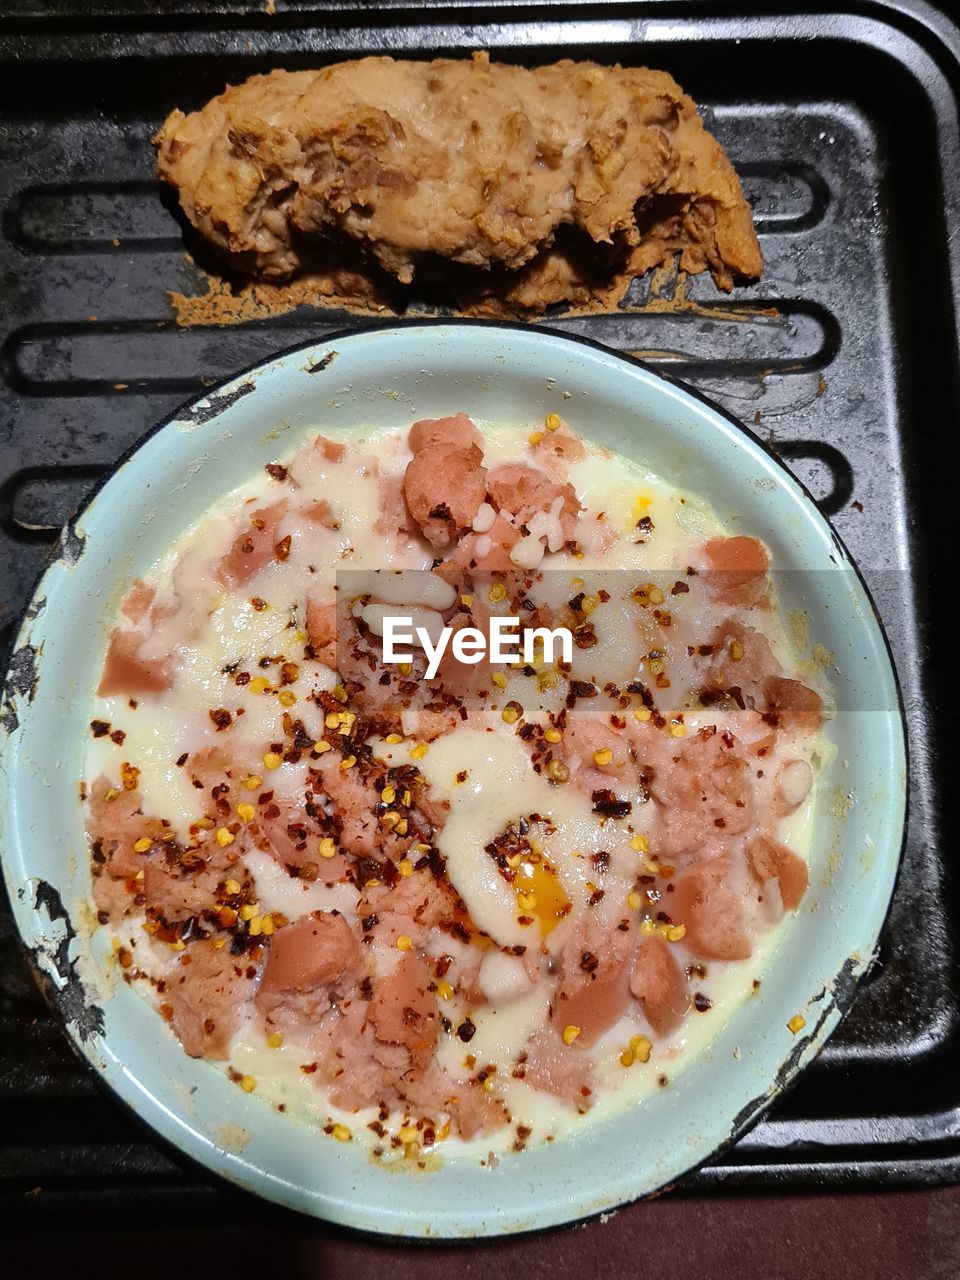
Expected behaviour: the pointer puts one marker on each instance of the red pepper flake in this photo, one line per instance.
(259, 605)
(608, 805)
(580, 689)
(679, 588)
(100, 728)
(282, 549)
(221, 718)
(275, 470)
(118, 736)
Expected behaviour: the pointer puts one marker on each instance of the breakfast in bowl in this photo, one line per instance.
(429, 900)
(439, 922)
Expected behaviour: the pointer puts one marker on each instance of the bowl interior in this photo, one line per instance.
(388, 378)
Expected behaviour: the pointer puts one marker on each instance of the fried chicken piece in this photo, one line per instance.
(506, 189)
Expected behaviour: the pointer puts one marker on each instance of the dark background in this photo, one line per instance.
(843, 123)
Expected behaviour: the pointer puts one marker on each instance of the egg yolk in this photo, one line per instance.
(641, 505)
(540, 894)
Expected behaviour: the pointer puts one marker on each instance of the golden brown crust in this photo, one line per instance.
(501, 190)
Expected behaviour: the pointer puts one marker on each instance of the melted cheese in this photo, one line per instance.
(219, 630)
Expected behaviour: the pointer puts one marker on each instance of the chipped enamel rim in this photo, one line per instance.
(382, 377)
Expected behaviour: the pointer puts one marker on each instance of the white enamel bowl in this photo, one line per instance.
(388, 377)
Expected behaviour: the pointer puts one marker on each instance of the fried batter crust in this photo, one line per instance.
(502, 190)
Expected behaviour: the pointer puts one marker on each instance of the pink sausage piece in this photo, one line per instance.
(320, 512)
(393, 517)
(594, 991)
(736, 570)
(356, 803)
(523, 490)
(458, 431)
(136, 603)
(703, 792)
(796, 708)
(551, 1067)
(711, 913)
(742, 657)
(332, 450)
(471, 1110)
(253, 547)
(178, 892)
(769, 859)
(403, 1010)
(115, 822)
(560, 447)
(484, 552)
(205, 994)
(322, 630)
(658, 983)
(124, 671)
(313, 952)
(444, 486)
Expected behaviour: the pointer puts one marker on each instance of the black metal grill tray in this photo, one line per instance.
(844, 126)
